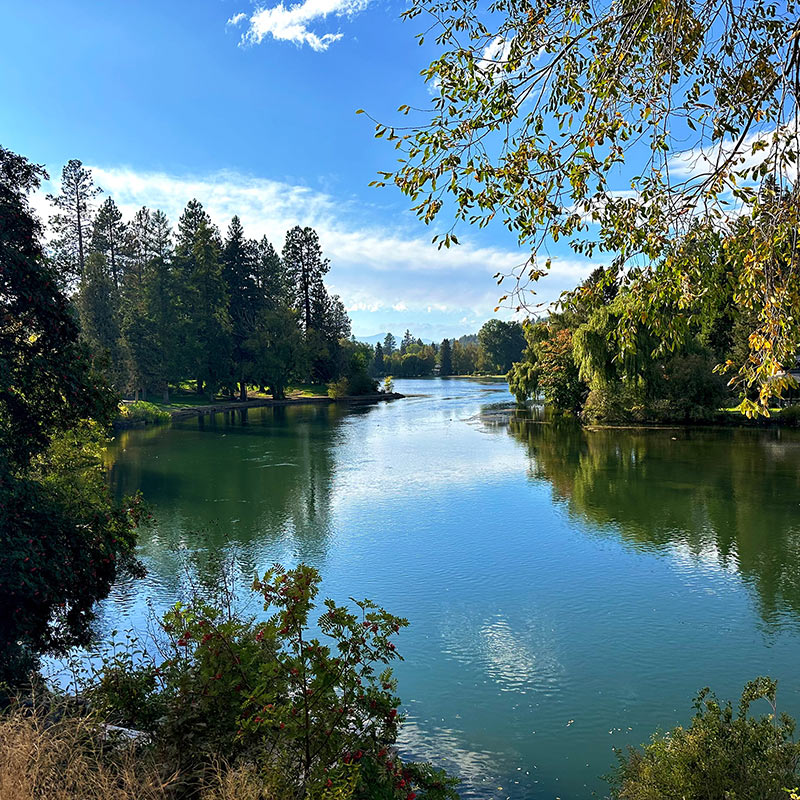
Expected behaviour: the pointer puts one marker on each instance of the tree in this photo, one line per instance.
(445, 359)
(72, 222)
(62, 540)
(501, 344)
(108, 236)
(147, 326)
(377, 360)
(204, 299)
(408, 340)
(271, 278)
(239, 259)
(276, 343)
(537, 110)
(98, 310)
(305, 268)
(389, 344)
(465, 357)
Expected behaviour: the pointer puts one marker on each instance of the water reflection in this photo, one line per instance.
(265, 484)
(727, 498)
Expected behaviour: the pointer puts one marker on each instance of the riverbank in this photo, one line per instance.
(294, 399)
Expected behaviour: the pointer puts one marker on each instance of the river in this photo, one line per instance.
(568, 591)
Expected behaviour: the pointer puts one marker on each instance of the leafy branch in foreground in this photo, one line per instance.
(623, 127)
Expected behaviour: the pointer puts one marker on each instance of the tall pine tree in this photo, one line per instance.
(72, 222)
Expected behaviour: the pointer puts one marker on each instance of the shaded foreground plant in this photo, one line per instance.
(319, 716)
(722, 755)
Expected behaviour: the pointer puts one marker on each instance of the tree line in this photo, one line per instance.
(492, 351)
(223, 311)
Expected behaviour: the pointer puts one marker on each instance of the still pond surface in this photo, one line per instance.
(568, 591)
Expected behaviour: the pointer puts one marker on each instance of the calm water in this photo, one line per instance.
(568, 591)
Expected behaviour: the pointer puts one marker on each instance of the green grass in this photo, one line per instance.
(307, 390)
(141, 411)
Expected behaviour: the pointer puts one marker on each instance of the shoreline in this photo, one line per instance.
(185, 412)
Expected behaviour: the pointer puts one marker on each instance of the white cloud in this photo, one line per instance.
(237, 18)
(381, 272)
(293, 23)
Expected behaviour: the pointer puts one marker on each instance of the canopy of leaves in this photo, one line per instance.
(617, 126)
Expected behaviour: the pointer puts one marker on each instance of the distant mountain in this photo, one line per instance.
(379, 337)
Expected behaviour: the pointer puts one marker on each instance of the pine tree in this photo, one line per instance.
(203, 299)
(378, 367)
(271, 278)
(72, 222)
(305, 268)
(239, 260)
(389, 344)
(445, 358)
(408, 340)
(97, 302)
(108, 235)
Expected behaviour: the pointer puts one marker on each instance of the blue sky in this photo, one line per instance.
(169, 100)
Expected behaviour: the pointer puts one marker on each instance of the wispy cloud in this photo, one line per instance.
(294, 23)
(385, 274)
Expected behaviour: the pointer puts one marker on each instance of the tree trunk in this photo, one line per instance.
(166, 393)
(199, 386)
(243, 390)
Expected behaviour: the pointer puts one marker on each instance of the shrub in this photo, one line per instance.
(338, 389)
(720, 756)
(141, 411)
(320, 716)
(388, 385)
(63, 543)
(790, 416)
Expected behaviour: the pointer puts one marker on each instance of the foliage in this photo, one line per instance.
(445, 358)
(62, 539)
(721, 754)
(72, 222)
(63, 542)
(617, 128)
(142, 411)
(501, 343)
(548, 367)
(388, 385)
(320, 714)
(790, 416)
(356, 359)
(339, 389)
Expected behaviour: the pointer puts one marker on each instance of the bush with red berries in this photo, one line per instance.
(317, 712)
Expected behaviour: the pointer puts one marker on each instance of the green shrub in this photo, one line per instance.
(141, 411)
(321, 715)
(789, 416)
(338, 389)
(720, 756)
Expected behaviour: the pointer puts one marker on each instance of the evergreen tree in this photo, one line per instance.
(378, 367)
(389, 344)
(160, 299)
(72, 222)
(276, 342)
(108, 236)
(445, 358)
(240, 260)
(271, 278)
(305, 268)
(98, 310)
(408, 340)
(203, 299)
